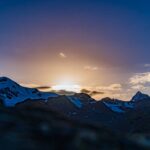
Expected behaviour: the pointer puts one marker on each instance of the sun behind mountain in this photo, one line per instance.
(67, 87)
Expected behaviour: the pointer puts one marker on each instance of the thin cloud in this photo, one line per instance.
(43, 87)
(30, 85)
(112, 87)
(138, 87)
(62, 55)
(140, 78)
(85, 91)
(91, 68)
(63, 92)
(147, 65)
(91, 92)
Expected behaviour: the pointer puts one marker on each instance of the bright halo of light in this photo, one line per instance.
(67, 87)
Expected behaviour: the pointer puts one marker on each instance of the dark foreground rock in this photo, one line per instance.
(33, 128)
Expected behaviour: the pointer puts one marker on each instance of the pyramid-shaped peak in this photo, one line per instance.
(139, 96)
(139, 92)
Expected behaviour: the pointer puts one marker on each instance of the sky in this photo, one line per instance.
(101, 46)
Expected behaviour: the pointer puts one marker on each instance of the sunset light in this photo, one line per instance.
(75, 74)
(67, 87)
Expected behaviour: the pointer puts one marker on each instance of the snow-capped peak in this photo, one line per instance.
(11, 93)
(139, 96)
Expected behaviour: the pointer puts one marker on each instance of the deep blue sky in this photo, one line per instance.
(122, 28)
(110, 34)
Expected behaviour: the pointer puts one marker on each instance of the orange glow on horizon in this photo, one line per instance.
(67, 87)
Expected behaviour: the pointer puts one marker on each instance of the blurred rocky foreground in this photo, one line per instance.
(34, 128)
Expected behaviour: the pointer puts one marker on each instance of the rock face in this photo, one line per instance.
(35, 128)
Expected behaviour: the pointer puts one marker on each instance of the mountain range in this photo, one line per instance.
(121, 116)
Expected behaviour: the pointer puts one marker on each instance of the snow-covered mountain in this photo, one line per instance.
(139, 96)
(12, 93)
(120, 106)
(113, 113)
